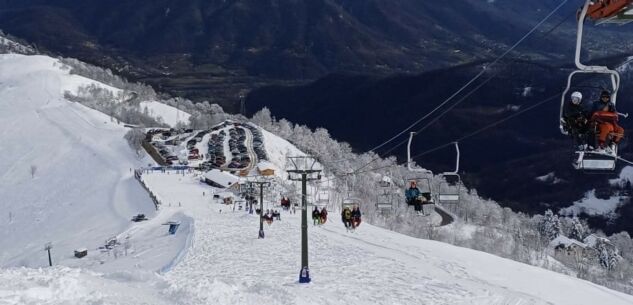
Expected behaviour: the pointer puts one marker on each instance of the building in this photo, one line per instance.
(568, 246)
(221, 179)
(594, 241)
(265, 168)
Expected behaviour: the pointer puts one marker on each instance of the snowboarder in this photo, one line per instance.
(356, 217)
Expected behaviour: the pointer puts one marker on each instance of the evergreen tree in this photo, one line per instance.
(578, 230)
(550, 226)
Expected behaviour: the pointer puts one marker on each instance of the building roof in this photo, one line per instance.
(565, 241)
(264, 165)
(222, 178)
(592, 240)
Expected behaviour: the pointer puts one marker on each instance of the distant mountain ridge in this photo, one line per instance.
(214, 48)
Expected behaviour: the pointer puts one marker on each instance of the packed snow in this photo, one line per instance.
(228, 264)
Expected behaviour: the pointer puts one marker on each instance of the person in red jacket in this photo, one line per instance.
(323, 215)
(606, 117)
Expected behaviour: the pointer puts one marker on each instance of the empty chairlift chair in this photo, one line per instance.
(450, 184)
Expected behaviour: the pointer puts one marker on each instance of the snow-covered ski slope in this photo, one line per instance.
(65, 169)
(168, 114)
(228, 264)
(82, 192)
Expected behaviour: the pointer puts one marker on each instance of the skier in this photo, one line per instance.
(316, 216)
(323, 215)
(576, 120)
(346, 216)
(356, 217)
(413, 196)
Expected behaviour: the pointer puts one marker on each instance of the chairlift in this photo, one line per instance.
(385, 182)
(350, 203)
(384, 201)
(450, 183)
(621, 12)
(610, 11)
(422, 178)
(322, 198)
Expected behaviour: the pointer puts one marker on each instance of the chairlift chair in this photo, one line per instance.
(601, 11)
(450, 183)
(350, 203)
(422, 178)
(322, 199)
(384, 201)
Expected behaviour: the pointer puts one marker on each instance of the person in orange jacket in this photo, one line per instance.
(605, 115)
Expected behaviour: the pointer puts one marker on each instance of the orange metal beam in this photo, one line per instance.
(601, 9)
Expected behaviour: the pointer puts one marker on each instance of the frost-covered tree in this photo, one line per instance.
(550, 226)
(263, 118)
(607, 255)
(134, 138)
(578, 230)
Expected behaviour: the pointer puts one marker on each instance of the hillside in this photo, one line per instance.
(75, 188)
(216, 49)
(66, 175)
(515, 153)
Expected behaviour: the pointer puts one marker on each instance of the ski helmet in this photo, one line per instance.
(576, 97)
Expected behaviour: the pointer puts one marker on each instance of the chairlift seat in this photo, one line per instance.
(383, 206)
(448, 198)
(592, 161)
(350, 202)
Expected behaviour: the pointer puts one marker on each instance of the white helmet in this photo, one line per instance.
(576, 97)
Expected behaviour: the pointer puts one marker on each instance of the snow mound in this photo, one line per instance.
(63, 285)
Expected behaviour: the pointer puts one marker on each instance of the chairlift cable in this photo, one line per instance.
(475, 78)
(461, 139)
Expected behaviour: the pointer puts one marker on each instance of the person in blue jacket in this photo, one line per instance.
(413, 197)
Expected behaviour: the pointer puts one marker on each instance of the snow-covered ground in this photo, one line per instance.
(65, 177)
(169, 115)
(591, 205)
(65, 171)
(626, 176)
(549, 178)
(227, 264)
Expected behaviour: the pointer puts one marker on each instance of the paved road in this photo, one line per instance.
(446, 217)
